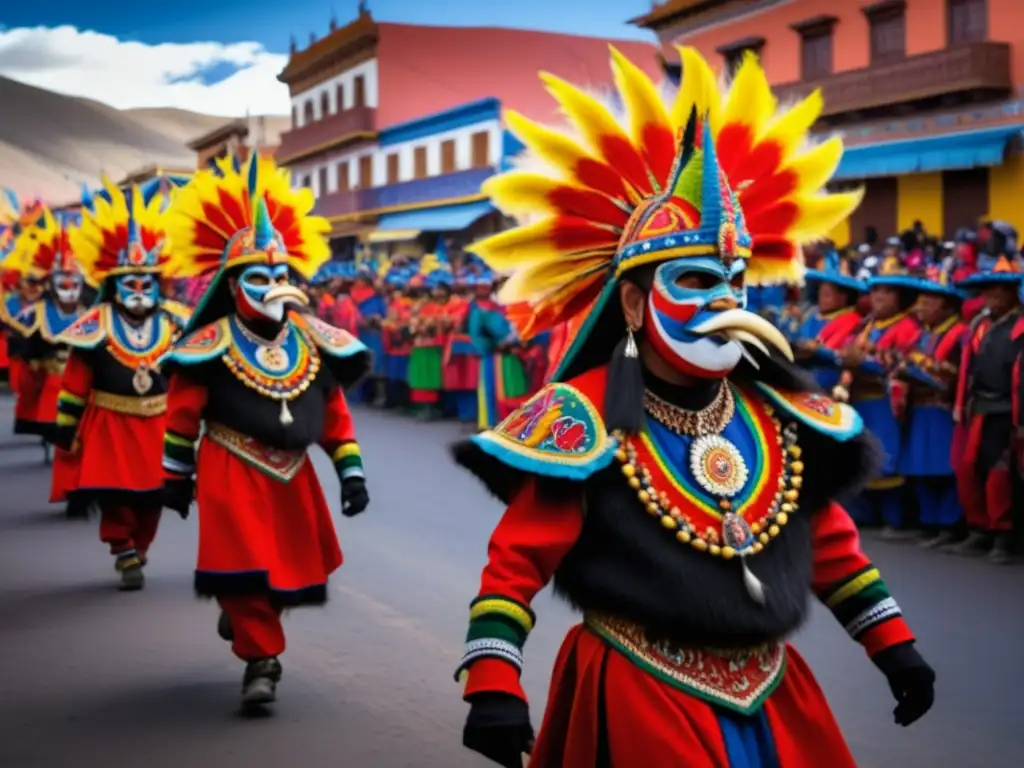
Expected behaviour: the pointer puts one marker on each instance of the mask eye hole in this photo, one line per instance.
(258, 280)
(738, 281)
(697, 281)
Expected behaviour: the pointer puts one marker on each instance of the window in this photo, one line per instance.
(323, 180)
(295, 117)
(481, 149)
(888, 30)
(307, 113)
(343, 181)
(341, 97)
(448, 156)
(366, 171)
(419, 161)
(359, 91)
(308, 182)
(734, 52)
(815, 46)
(325, 105)
(966, 21)
(393, 168)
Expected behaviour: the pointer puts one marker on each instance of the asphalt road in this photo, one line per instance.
(92, 677)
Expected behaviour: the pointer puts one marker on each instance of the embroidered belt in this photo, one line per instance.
(278, 464)
(739, 679)
(154, 405)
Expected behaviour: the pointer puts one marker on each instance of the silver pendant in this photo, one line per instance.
(142, 381)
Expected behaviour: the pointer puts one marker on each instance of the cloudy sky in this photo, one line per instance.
(223, 58)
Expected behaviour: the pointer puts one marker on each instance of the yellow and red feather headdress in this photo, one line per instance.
(614, 197)
(230, 216)
(43, 248)
(121, 235)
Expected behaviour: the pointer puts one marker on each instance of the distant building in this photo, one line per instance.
(233, 138)
(928, 94)
(395, 126)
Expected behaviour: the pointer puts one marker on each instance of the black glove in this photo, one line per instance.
(911, 680)
(354, 497)
(64, 436)
(178, 494)
(498, 727)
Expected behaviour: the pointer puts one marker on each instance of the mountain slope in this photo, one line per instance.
(50, 143)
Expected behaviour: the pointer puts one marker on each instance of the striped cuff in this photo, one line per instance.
(69, 409)
(862, 602)
(498, 628)
(179, 454)
(348, 460)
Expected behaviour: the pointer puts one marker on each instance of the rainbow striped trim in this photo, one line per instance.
(348, 460)
(498, 628)
(861, 601)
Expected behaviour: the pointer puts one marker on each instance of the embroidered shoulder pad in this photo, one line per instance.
(27, 321)
(87, 332)
(557, 433)
(328, 339)
(200, 346)
(820, 413)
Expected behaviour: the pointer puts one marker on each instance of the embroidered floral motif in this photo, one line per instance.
(739, 680)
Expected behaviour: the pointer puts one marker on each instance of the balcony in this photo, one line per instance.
(346, 127)
(445, 187)
(975, 69)
(345, 203)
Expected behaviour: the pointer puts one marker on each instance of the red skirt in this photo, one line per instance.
(29, 387)
(5, 361)
(121, 452)
(652, 724)
(64, 474)
(259, 535)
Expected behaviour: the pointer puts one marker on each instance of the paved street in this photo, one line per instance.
(93, 677)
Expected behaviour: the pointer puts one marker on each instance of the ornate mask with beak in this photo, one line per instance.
(263, 289)
(138, 291)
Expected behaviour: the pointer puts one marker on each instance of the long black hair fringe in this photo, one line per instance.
(624, 393)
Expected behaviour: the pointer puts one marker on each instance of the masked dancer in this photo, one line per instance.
(113, 401)
(676, 479)
(265, 380)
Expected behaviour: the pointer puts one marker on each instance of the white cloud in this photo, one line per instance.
(129, 74)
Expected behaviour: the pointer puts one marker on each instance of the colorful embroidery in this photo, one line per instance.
(147, 353)
(729, 494)
(87, 332)
(281, 371)
(739, 680)
(557, 432)
(820, 413)
(335, 342)
(26, 321)
(53, 322)
(202, 345)
(280, 465)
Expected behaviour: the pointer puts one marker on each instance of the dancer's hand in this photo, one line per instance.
(354, 497)
(178, 494)
(498, 727)
(911, 680)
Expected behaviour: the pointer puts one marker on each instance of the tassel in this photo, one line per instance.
(624, 398)
(753, 584)
(286, 418)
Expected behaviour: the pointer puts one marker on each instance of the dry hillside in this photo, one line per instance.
(50, 144)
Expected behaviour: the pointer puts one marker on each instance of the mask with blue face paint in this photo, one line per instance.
(262, 291)
(696, 321)
(138, 292)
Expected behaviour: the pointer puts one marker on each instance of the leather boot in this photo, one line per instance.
(259, 684)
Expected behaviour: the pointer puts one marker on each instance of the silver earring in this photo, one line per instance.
(631, 348)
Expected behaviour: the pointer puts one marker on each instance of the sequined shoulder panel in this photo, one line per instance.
(332, 341)
(9, 308)
(26, 322)
(202, 345)
(557, 433)
(814, 410)
(88, 331)
(53, 322)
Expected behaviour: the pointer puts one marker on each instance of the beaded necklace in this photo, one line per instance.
(720, 470)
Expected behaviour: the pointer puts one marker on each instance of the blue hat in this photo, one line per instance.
(893, 274)
(837, 272)
(937, 281)
(333, 270)
(1005, 272)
